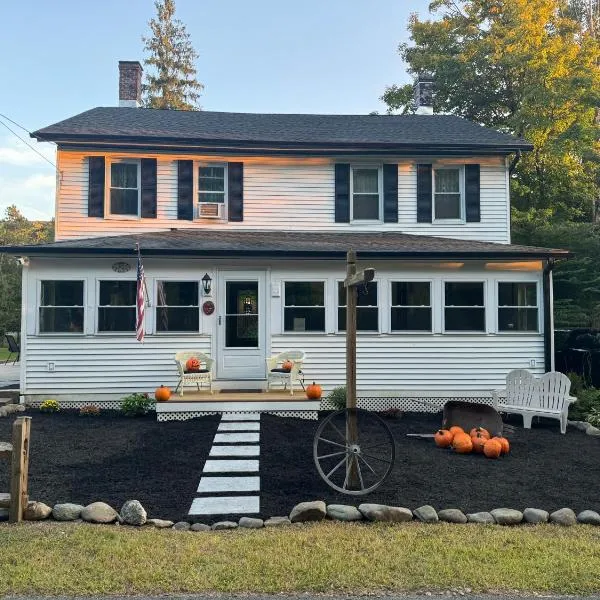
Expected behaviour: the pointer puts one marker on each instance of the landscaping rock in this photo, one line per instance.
(3, 514)
(99, 512)
(36, 511)
(564, 516)
(224, 525)
(133, 513)
(591, 430)
(277, 522)
(9, 409)
(535, 516)
(67, 511)
(343, 512)
(484, 518)
(381, 512)
(182, 526)
(199, 527)
(588, 517)
(581, 425)
(159, 523)
(426, 514)
(452, 515)
(507, 516)
(4, 500)
(251, 523)
(308, 511)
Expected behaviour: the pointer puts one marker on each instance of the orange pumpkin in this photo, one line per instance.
(492, 449)
(504, 444)
(479, 441)
(313, 391)
(462, 443)
(162, 393)
(287, 365)
(484, 432)
(192, 364)
(455, 429)
(443, 438)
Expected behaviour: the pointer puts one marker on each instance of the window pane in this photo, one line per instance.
(517, 294)
(211, 197)
(304, 319)
(518, 319)
(123, 202)
(61, 320)
(465, 319)
(211, 184)
(411, 319)
(211, 172)
(411, 293)
(116, 319)
(177, 293)
(177, 319)
(366, 297)
(447, 180)
(117, 293)
(365, 206)
(365, 181)
(464, 293)
(447, 206)
(241, 331)
(367, 319)
(62, 293)
(123, 175)
(304, 293)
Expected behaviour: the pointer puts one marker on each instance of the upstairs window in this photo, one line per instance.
(464, 308)
(124, 192)
(116, 309)
(517, 306)
(366, 194)
(177, 306)
(61, 307)
(411, 306)
(304, 306)
(367, 311)
(212, 190)
(447, 194)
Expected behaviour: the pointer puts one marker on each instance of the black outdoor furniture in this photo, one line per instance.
(13, 348)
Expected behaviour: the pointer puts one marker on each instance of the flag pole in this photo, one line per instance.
(139, 255)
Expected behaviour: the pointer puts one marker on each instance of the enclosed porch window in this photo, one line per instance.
(367, 311)
(517, 306)
(177, 306)
(411, 306)
(464, 308)
(61, 307)
(116, 308)
(304, 306)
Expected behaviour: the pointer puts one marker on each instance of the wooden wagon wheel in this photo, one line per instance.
(354, 451)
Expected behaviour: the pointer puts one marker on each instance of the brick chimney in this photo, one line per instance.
(130, 83)
(424, 94)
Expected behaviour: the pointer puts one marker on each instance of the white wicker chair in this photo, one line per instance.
(203, 376)
(276, 374)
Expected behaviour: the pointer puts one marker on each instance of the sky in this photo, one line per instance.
(60, 58)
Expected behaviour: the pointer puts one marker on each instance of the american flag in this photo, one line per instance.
(140, 300)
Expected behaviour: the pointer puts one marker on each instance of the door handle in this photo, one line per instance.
(219, 319)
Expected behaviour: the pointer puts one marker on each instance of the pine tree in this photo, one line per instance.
(172, 82)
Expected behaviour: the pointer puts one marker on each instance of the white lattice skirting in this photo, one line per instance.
(192, 414)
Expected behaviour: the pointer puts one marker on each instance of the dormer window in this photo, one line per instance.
(212, 190)
(366, 186)
(124, 189)
(448, 194)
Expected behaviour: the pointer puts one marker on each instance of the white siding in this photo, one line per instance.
(287, 194)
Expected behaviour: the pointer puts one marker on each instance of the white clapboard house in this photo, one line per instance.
(260, 209)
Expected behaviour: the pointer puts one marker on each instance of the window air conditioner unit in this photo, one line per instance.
(210, 210)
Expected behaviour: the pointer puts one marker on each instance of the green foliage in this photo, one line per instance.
(587, 401)
(50, 406)
(593, 417)
(577, 383)
(337, 397)
(90, 410)
(137, 404)
(171, 83)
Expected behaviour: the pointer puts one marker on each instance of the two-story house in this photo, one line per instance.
(250, 216)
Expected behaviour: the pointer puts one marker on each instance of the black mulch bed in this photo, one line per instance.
(544, 469)
(113, 458)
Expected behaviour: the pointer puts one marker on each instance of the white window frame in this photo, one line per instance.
(97, 306)
(430, 306)
(107, 180)
(461, 188)
(223, 208)
(379, 168)
(537, 306)
(39, 306)
(284, 306)
(378, 307)
(157, 306)
(483, 331)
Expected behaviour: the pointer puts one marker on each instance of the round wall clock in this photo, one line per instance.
(208, 307)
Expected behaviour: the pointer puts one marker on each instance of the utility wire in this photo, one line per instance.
(15, 123)
(26, 143)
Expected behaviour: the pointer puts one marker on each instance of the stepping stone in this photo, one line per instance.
(225, 505)
(248, 426)
(230, 466)
(241, 417)
(235, 451)
(229, 484)
(232, 438)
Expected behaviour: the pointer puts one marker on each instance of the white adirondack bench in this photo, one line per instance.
(530, 397)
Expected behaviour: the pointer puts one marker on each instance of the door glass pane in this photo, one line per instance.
(241, 318)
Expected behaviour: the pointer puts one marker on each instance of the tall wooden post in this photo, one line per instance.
(19, 469)
(351, 302)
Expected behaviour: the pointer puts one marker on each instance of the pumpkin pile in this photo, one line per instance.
(477, 441)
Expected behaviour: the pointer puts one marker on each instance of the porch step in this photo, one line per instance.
(241, 417)
(239, 426)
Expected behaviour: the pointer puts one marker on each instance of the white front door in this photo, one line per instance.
(241, 324)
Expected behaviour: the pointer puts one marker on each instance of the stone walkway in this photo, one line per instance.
(230, 483)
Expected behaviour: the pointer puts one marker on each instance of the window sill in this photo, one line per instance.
(448, 222)
(530, 332)
(366, 222)
(122, 217)
(210, 220)
(61, 334)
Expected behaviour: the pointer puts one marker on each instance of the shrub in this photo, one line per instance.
(577, 383)
(137, 404)
(91, 410)
(50, 406)
(587, 400)
(593, 417)
(337, 397)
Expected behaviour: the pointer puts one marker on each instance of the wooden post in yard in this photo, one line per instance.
(19, 469)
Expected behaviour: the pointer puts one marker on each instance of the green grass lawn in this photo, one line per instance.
(4, 355)
(51, 558)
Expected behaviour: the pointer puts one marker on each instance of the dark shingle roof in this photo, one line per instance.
(279, 130)
(285, 244)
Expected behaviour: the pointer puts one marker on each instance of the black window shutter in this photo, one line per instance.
(390, 193)
(424, 194)
(342, 193)
(185, 190)
(96, 186)
(235, 191)
(149, 188)
(472, 201)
